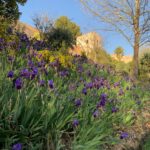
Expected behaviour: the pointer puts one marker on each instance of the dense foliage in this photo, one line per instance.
(145, 65)
(61, 35)
(9, 9)
(119, 51)
(64, 22)
(59, 39)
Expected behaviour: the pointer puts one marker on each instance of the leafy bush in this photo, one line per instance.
(59, 38)
(65, 60)
(145, 65)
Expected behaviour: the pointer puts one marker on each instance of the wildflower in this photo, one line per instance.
(64, 73)
(95, 114)
(89, 85)
(116, 84)
(89, 73)
(124, 135)
(80, 69)
(18, 83)
(34, 73)
(25, 73)
(138, 102)
(84, 91)
(35, 70)
(9, 30)
(108, 86)
(10, 74)
(78, 102)
(24, 38)
(121, 92)
(114, 109)
(81, 79)
(75, 123)
(17, 146)
(51, 84)
(10, 59)
(56, 63)
(41, 64)
(103, 99)
(30, 63)
(41, 82)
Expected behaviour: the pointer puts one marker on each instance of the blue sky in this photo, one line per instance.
(74, 11)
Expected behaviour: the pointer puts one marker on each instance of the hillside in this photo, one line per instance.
(28, 29)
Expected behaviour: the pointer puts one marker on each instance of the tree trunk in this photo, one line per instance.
(135, 61)
(136, 39)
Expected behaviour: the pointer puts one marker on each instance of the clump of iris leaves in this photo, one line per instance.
(44, 106)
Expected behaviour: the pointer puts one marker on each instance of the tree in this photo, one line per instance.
(66, 24)
(59, 39)
(131, 18)
(60, 35)
(43, 24)
(9, 9)
(119, 51)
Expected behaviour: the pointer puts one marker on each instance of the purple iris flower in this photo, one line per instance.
(18, 83)
(81, 79)
(124, 135)
(41, 82)
(84, 91)
(103, 99)
(40, 64)
(116, 84)
(64, 73)
(78, 102)
(121, 92)
(95, 113)
(75, 123)
(108, 86)
(103, 96)
(80, 69)
(35, 70)
(89, 85)
(10, 59)
(138, 102)
(51, 84)
(89, 73)
(114, 109)
(25, 73)
(17, 146)
(10, 74)
(24, 38)
(56, 63)
(34, 73)
(30, 63)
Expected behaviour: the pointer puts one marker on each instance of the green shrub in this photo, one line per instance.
(59, 39)
(99, 56)
(145, 65)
